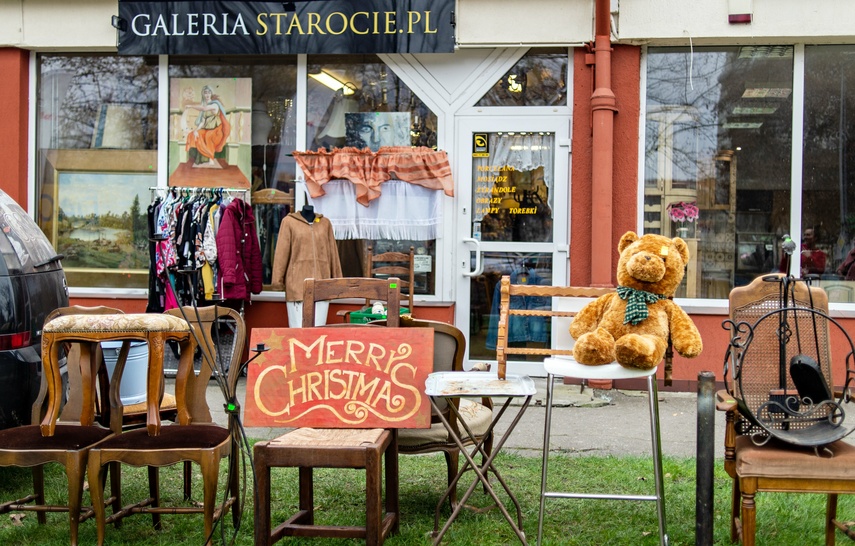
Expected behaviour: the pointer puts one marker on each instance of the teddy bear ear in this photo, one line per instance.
(627, 239)
(682, 248)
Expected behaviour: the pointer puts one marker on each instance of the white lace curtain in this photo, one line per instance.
(404, 211)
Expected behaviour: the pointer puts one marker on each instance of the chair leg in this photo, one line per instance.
(547, 427)
(653, 397)
(75, 470)
(262, 496)
(735, 511)
(97, 481)
(749, 512)
(452, 464)
(307, 495)
(210, 474)
(373, 494)
(39, 490)
(830, 516)
(188, 474)
(154, 493)
(393, 483)
(115, 469)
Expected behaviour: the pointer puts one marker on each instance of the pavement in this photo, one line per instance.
(584, 422)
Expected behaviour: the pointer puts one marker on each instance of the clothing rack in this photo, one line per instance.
(196, 189)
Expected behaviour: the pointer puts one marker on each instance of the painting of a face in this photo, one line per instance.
(374, 130)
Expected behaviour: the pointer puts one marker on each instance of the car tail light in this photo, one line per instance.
(14, 341)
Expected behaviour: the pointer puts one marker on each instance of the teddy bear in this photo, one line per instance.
(632, 324)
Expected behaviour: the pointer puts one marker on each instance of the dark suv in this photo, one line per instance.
(32, 284)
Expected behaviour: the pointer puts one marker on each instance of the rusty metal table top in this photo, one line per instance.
(478, 384)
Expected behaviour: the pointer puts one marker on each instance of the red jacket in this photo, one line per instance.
(238, 253)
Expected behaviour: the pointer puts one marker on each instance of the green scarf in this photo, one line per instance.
(636, 306)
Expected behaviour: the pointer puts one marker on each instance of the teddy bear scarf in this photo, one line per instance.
(636, 303)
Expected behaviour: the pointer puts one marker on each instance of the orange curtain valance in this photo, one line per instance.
(367, 170)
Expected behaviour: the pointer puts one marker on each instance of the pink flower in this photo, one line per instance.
(683, 212)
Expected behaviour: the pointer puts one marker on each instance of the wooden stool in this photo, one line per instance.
(88, 330)
(329, 448)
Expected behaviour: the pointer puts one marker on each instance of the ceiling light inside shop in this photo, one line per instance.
(334, 83)
(766, 93)
(766, 52)
(743, 125)
(754, 110)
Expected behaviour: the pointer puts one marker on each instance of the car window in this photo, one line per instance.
(10, 263)
(22, 244)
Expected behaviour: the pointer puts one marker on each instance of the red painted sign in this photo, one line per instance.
(358, 377)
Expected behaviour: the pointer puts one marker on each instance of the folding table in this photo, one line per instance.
(450, 385)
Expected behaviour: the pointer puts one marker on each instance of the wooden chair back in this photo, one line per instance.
(761, 365)
(393, 264)
(533, 302)
(316, 290)
(221, 337)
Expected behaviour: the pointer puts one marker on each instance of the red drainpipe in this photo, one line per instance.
(603, 106)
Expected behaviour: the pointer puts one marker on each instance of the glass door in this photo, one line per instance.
(513, 210)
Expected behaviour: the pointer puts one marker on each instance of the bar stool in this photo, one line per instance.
(565, 366)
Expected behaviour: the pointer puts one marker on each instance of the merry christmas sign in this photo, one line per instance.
(352, 377)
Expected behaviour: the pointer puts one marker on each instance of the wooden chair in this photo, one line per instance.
(308, 449)
(193, 438)
(53, 439)
(393, 264)
(755, 461)
(135, 414)
(449, 350)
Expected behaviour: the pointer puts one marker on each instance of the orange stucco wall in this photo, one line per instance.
(625, 84)
(13, 123)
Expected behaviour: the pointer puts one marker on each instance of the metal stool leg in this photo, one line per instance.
(547, 429)
(653, 395)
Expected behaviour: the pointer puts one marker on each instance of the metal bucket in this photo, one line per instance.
(133, 386)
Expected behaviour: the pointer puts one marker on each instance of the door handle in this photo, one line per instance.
(479, 266)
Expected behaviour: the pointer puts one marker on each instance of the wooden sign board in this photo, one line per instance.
(352, 377)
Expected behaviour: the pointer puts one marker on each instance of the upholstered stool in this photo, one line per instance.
(329, 448)
(88, 330)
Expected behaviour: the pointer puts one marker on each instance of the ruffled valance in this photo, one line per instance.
(368, 170)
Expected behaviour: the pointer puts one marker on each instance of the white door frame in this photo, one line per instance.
(509, 119)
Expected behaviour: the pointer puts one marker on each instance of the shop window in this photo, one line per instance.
(260, 98)
(539, 78)
(718, 144)
(96, 141)
(358, 102)
(828, 180)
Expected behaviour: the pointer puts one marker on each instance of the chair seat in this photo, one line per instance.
(778, 460)
(566, 366)
(69, 437)
(146, 322)
(477, 416)
(168, 403)
(170, 437)
(326, 437)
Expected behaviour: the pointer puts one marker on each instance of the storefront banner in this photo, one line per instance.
(259, 28)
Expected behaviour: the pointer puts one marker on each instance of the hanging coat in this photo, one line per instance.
(238, 253)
